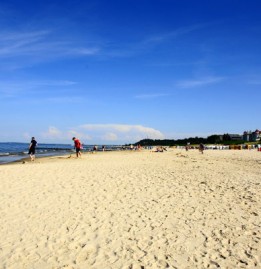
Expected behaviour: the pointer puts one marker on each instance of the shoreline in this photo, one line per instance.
(26, 157)
(65, 155)
(47, 151)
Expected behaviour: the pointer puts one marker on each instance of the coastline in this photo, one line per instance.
(131, 209)
(15, 152)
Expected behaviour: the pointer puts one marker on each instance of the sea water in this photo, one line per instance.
(12, 151)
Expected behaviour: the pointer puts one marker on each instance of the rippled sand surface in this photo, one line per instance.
(132, 210)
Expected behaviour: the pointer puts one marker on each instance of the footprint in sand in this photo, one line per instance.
(88, 252)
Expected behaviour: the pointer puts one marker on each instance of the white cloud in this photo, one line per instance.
(110, 137)
(52, 133)
(55, 135)
(103, 133)
(123, 130)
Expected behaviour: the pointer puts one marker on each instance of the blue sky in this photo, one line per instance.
(115, 72)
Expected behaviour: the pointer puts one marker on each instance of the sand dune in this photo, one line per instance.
(132, 210)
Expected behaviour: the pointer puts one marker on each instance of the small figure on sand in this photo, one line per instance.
(77, 146)
(160, 149)
(201, 148)
(187, 146)
(32, 147)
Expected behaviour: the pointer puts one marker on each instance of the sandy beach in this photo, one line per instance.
(132, 210)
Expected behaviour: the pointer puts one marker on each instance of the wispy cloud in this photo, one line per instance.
(199, 82)
(163, 37)
(11, 89)
(150, 42)
(40, 45)
(45, 44)
(151, 96)
(170, 64)
(84, 51)
(63, 99)
(13, 43)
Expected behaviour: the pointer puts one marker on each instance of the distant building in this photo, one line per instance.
(246, 136)
(256, 135)
(250, 136)
(235, 137)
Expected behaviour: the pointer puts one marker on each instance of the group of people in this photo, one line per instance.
(200, 148)
(77, 146)
(33, 144)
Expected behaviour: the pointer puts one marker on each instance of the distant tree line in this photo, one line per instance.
(212, 139)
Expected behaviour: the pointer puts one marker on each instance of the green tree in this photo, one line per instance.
(226, 137)
(213, 139)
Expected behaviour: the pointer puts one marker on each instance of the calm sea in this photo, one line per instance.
(11, 152)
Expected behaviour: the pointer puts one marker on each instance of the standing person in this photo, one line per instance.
(77, 146)
(187, 146)
(201, 148)
(32, 147)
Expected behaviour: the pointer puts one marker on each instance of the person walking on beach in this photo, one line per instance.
(32, 147)
(77, 146)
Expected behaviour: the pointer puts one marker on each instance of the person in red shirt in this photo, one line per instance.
(77, 146)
